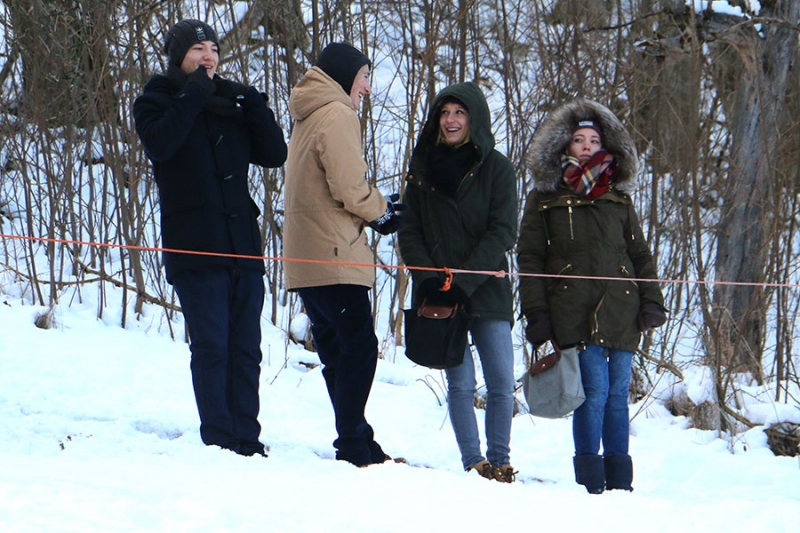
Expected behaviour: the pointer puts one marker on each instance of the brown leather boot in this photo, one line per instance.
(504, 474)
(484, 468)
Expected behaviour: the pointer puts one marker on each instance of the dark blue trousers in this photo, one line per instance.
(222, 309)
(343, 331)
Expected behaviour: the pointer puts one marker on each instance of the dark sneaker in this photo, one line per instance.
(249, 449)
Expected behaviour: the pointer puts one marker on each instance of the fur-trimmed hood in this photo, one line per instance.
(554, 134)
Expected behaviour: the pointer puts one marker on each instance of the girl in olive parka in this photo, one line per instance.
(580, 221)
(462, 214)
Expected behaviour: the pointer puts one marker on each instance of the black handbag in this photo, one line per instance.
(436, 335)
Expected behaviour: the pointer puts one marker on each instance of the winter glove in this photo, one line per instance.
(651, 315)
(251, 96)
(391, 221)
(455, 295)
(539, 329)
(200, 77)
(430, 288)
(229, 89)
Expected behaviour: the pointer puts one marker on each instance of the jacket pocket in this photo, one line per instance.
(186, 229)
(559, 268)
(615, 315)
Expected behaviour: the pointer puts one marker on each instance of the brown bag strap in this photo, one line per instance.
(540, 364)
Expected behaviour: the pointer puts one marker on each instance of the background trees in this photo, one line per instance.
(711, 98)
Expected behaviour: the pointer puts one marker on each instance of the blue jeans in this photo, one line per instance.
(606, 376)
(492, 338)
(222, 309)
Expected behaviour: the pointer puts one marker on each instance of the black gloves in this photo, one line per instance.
(651, 315)
(390, 221)
(431, 289)
(200, 78)
(455, 295)
(539, 329)
(229, 88)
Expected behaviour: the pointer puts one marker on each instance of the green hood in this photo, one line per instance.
(480, 123)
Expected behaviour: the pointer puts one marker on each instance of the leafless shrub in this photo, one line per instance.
(783, 438)
(76, 175)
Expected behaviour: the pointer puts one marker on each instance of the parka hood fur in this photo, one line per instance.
(554, 134)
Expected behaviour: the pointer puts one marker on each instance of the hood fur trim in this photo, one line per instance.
(553, 136)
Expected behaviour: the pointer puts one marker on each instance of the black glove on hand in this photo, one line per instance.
(430, 288)
(651, 315)
(539, 329)
(454, 295)
(390, 221)
(229, 88)
(200, 77)
(397, 206)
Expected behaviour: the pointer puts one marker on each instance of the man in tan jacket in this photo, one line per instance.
(328, 204)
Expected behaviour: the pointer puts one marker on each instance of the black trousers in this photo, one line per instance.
(344, 334)
(222, 309)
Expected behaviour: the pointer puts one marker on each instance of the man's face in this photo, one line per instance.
(361, 86)
(202, 54)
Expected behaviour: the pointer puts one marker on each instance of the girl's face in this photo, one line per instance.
(584, 144)
(361, 86)
(202, 54)
(454, 123)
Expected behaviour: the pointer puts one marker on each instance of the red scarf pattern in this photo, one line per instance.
(592, 178)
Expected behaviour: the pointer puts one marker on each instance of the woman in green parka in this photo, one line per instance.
(580, 221)
(462, 214)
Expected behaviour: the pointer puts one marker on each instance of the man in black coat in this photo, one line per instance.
(202, 132)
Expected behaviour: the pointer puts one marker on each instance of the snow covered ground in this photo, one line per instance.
(99, 433)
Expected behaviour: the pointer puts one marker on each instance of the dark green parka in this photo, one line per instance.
(472, 229)
(563, 233)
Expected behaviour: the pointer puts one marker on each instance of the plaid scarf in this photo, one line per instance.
(591, 178)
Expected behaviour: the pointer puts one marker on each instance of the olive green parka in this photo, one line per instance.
(563, 233)
(471, 230)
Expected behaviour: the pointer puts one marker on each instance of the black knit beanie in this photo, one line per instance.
(183, 35)
(342, 62)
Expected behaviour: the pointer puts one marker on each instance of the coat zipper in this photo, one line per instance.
(571, 233)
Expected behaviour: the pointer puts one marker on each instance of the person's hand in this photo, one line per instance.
(200, 78)
(391, 221)
(430, 288)
(229, 88)
(396, 206)
(454, 295)
(651, 315)
(539, 328)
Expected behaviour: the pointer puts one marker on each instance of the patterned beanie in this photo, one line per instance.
(183, 35)
(591, 124)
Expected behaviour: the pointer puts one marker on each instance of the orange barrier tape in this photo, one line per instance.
(448, 279)
(448, 272)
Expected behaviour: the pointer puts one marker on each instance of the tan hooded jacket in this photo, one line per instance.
(327, 199)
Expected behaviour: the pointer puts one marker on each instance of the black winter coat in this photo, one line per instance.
(472, 229)
(201, 158)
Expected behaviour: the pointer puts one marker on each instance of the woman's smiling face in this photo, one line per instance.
(454, 123)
